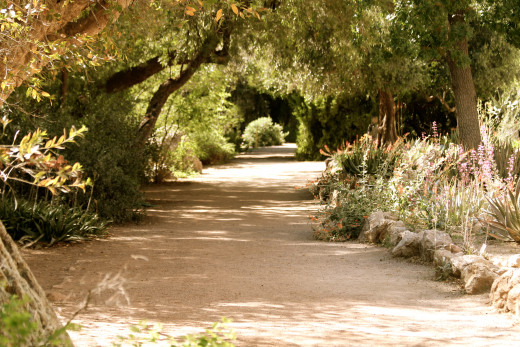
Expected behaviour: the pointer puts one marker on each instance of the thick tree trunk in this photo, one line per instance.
(19, 280)
(464, 91)
(387, 132)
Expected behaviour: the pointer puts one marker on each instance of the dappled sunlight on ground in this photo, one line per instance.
(237, 242)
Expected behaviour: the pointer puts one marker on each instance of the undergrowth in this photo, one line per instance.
(430, 183)
(28, 222)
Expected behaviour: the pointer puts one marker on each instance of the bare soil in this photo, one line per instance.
(237, 242)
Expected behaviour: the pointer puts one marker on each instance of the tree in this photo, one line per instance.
(208, 36)
(349, 48)
(444, 30)
(389, 48)
(35, 33)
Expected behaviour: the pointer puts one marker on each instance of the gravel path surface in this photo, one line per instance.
(237, 242)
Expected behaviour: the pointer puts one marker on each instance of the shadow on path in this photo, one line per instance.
(236, 242)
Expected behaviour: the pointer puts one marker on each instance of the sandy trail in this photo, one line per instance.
(236, 242)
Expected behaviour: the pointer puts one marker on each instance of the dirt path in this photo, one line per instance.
(236, 242)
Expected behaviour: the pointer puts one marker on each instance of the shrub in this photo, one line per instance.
(263, 132)
(363, 157)
(329, 121)
(110, 157)
(50, 223)
(107, 152)
(350, 202)
(212, 148)
(19, 328)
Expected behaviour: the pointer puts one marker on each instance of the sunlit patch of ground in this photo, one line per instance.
(236, 242)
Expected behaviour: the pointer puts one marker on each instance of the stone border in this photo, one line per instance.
(478, 274)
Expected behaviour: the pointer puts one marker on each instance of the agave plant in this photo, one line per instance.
(506, 215)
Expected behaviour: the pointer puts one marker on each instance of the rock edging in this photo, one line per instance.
(478, 274)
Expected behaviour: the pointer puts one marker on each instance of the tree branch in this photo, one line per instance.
(442, 99)
(445, 104)
(128, 78)
(171, 85)
(64, 20)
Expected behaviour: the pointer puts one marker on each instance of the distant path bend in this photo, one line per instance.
(236, 242)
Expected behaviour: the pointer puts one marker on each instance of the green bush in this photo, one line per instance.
(50, 223)
(329, 121)
(263, 132)
(348, 200)
(107, 152)
(212, 148)
(19, 328)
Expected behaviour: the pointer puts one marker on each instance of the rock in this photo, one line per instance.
(394, 233)
(375, 228)
(513, 300)
(478, 277)
(453, 248)
(441, 257)
(409, 245)
(391, 216)
(432, 240)
(505, 292)
(459, 263)
(514, 261)
(477, 273)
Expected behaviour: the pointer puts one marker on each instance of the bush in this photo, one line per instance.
(212, 148)
(329, 121)
(50, 223)
(355, 187)
(363, 157)
(109, 156)
(19, 327)
(350, 203)
(107, 152)
(263, 132)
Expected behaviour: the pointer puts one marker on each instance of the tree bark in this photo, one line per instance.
(19, 280)
(127, 78)
(171, 85)
(64, 85)
(62, 20)
(464, 91)
(387, 132)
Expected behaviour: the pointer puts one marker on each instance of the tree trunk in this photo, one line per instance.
(171, 85)
(64, 85)
(19, 280)
(464, 91)
(387, 133)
